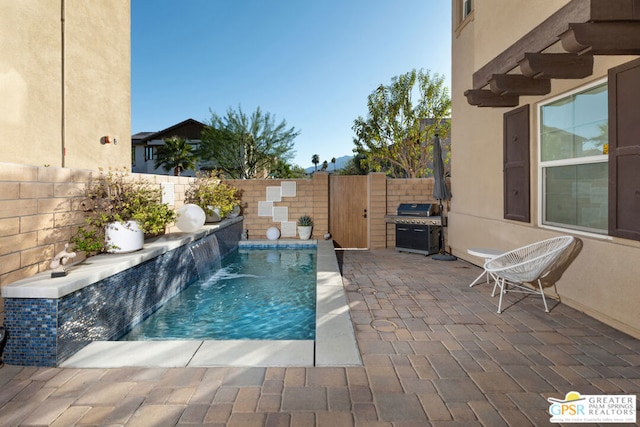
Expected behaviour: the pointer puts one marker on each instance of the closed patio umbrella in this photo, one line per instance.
(440, 193)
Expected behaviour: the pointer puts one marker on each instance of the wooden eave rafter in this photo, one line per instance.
(603, 38)
(503, 84)
(584, 28)
(556, 65)
(486, 98)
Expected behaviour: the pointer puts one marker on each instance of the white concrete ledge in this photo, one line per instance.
(96, 268)
(185, 353)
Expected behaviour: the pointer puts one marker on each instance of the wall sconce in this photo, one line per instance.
(109, 140)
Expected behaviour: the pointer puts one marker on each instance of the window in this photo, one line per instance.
(467, 7)
(133, 156)
(574, 161)
(149, 153)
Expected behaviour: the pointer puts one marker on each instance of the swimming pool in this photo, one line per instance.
(267, 294)
(71, 321)
(334, 343)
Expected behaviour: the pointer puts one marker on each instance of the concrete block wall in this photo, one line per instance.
(40, 210)
(376, 210)
(311, 199)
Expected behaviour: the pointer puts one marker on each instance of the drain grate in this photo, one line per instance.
(384, 325)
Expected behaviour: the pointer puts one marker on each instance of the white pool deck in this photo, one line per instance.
(335, 343)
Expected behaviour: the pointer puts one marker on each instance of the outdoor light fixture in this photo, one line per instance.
(109, 140)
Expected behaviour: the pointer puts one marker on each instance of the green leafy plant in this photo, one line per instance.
(305, 221)
(209, 192)
(115, 197)
(89, 241)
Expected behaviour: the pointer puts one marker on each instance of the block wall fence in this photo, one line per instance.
(40, 210)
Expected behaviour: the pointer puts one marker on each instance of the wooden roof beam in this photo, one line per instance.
(516, 84)
(548, 32)
(556, 65)
(486, 98)
(603, 38)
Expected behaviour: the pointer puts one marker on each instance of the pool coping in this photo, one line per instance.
(334, 345)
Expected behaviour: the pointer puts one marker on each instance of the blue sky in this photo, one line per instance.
(311, 63)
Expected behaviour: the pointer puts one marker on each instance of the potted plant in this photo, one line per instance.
(305, 227)
(218, 199)
(120, 212)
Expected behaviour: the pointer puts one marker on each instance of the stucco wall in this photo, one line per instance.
(603, 280)
(65, 82)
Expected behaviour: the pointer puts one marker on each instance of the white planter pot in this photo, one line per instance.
(213, 214)
(304, 231)
(123, 237)
(234, 213)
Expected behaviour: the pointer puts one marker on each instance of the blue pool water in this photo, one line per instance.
(256, 294)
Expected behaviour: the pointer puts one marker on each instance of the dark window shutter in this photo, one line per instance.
(516, 164)
(624, 150)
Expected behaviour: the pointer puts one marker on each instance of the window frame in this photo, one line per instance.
(542, 165)
(464, 11)
(149, 153)
(462, 18)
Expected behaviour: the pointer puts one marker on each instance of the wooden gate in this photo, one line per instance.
(348, 210)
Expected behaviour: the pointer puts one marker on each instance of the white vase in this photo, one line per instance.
(304, 231)
(123, 237)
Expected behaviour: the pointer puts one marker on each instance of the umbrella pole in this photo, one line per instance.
(442, 255)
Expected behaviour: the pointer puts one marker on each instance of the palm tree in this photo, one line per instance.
(325, 165)
(315, 159)
(333, 160)
(176, 154)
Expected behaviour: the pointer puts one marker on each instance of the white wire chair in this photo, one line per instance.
(528, 264)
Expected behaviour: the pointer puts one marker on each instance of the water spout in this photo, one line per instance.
(206, 256)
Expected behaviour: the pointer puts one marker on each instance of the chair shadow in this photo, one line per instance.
(557, 269)
(552, 300)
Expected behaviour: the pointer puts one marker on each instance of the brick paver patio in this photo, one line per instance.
(435, 352)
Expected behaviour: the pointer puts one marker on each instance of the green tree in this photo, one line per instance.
(284, 170)
(315, 159)
(177, 154)
(333, 160)
(325, 165)
(245, 147)
(396, 135)
(355, 166)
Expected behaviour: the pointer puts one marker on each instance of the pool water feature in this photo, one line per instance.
(206, 255)
(263, 294)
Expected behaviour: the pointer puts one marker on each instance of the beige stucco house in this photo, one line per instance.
(59, 61)
(546, 113)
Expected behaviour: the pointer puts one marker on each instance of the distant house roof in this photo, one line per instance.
(189, 129)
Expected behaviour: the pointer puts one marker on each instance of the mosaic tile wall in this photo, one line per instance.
(45, 332)
(31, 324)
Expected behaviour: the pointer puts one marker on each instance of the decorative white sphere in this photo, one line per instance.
(273, 233)
(190, 218)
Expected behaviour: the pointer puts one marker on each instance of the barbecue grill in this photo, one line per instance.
(417, 229)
